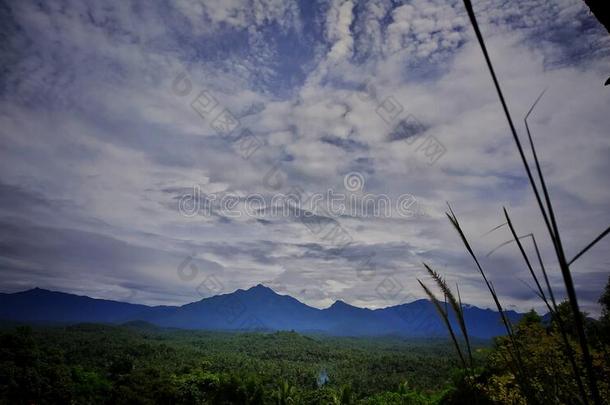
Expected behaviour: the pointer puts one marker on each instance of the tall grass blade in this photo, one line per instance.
(538, 170)
(558, 249)
(445, 317)
(458, 228)
(553, 310)
(475, 25)
(515, 352)
(554, 233)
(553, 228)
(457, 308)
(527, 260)
(508, 242)
(590, 245)
(494, 229)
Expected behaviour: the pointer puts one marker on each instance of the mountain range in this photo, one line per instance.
(258, 308)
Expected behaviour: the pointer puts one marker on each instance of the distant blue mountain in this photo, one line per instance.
(38, 305)
(258, 308)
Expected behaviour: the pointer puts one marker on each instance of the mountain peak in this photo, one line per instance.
(257, 308)
(37, 290)
(340, 304)
(260, 288)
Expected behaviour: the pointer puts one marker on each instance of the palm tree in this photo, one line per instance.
(285, 394)
(345, 396)
(403, 388)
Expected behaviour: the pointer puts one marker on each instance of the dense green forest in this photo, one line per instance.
(138, 363)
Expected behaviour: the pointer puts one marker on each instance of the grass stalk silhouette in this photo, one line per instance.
(456, 306)
(520, 372)
(547, 212)
(552, 307)
(445, 317)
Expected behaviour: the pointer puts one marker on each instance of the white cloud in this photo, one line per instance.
(89, 117)
(338, 30)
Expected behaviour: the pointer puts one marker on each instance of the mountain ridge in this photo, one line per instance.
(257, 308)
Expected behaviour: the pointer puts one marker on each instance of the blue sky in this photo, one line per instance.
(98, 147)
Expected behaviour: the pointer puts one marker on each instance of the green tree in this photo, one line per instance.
(344, 396)
(285, 394)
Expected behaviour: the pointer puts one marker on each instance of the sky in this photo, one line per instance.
(145, 146)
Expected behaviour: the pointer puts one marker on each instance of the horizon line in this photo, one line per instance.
(258, 285)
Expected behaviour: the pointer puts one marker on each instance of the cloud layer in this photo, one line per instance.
(112, 112)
